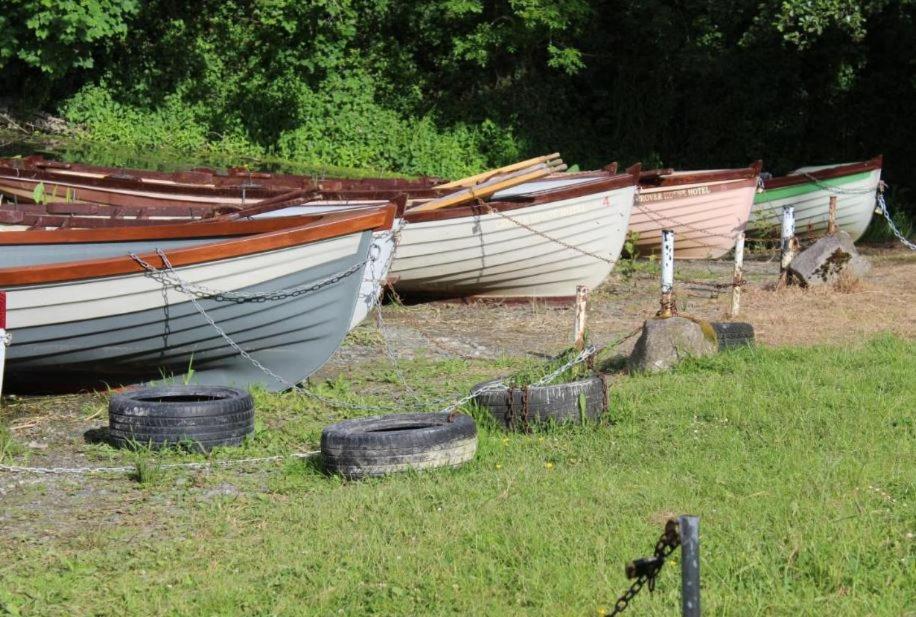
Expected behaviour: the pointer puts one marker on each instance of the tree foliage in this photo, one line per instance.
(449, 86)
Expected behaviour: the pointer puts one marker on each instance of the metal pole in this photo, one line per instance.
(667, 303)
(579, 326)
(689, 530)
(831, 217)
(738, 277)
(789, 244)
(4, 338)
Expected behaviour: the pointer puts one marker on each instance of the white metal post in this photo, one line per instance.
(4, 338)
(789, 244)
(667, 303)
(738, 278)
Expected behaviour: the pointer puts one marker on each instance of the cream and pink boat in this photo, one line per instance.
(705, 209)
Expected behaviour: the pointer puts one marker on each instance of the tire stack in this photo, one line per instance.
(200, 417)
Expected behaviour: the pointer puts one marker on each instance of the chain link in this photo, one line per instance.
(836, 189)
(665, 221)
(169, 277)
(666, 545)
(571, 247)
(257, 364)
(890, 222)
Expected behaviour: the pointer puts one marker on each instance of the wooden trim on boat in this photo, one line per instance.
(666, 177)
(328, 226)
(125, 182)
(165, 231)
(828, 173)
(716, 187)
(233, 178)
(603, 182)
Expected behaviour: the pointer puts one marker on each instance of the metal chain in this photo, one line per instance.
(662, 220)
(571, 247)
(666, 545)
(130, 469)
(890, 222)
(257, 364)
(836, 189)
(171, 278)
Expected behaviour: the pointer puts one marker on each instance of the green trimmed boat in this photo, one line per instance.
(809, 189)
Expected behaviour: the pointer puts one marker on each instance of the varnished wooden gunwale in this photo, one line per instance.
(604, 181)
(328, 226)
(837, 171)
(717, 187)
(162, 231)
(660, 178)
(208, 179)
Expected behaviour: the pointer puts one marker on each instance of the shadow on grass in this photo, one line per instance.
(97, 436)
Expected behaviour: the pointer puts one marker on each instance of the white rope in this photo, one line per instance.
(133, 468)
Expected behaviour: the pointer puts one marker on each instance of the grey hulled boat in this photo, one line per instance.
(212, 305)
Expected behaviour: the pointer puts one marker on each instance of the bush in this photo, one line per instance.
(174, 125)
(340, 124)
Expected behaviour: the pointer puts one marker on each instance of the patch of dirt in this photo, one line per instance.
(790, 316)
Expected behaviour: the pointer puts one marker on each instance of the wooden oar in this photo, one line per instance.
(471, 180)
(485, 190)
(295, 197)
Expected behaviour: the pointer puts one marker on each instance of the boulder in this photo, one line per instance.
(823, 262)
(666, 341)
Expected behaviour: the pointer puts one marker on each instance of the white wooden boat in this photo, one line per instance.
(529, 242)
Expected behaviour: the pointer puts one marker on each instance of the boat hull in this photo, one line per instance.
(129, 329)
(488, 255)
(855, 195)
(706, 217)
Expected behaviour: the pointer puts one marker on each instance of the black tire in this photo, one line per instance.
(731, 334)
(200, 416)
(380, 445)
(557, 403)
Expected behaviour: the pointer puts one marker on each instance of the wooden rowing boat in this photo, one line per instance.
(285, 294)
(809, 189)
(705, 209)
(113, 233)
(540, 242)
(193, 193)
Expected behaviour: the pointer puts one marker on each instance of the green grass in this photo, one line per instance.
(801, 464)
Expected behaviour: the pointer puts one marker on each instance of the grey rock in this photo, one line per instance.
(665, 342)
(823, 262)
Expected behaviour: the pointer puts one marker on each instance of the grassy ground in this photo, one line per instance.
(799, 461)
